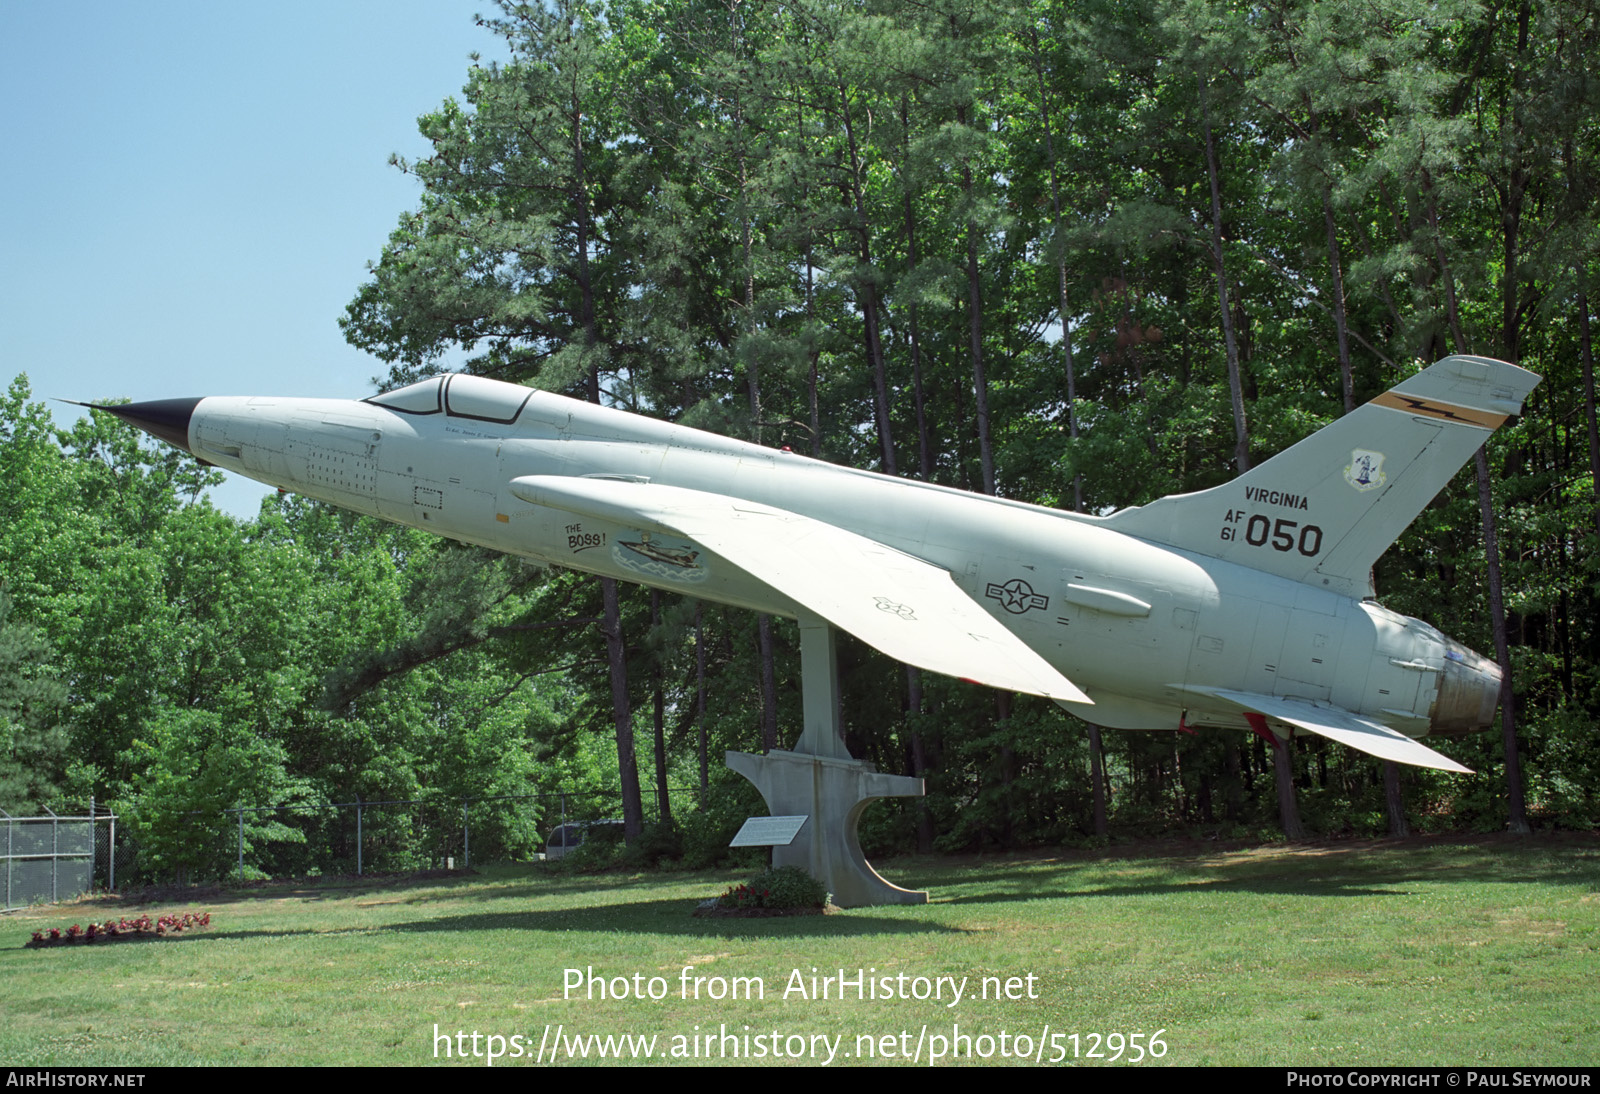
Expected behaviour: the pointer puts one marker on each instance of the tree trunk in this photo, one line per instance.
(1288, 807)
(1097, 778)
(1586, 354)
(1517, 819)
(1061, 260)
(1241, 429)
(1340, 322)
(769, 686)
(622, 712)
(919, 393)
(919, 760)
(980, 382)
(869, 291)
(700, 698)
(1234, 801)
(1398, 827)
(659, 703)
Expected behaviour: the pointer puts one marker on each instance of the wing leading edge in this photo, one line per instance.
(907, 608)
(1338, 724)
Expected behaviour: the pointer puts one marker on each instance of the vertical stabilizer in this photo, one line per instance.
(1323, 511)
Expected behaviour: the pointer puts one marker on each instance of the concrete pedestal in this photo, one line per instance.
(820, 780)
(833, 793)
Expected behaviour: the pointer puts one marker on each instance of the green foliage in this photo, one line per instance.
(35, 760)
(603, 848)
(660, 844)
(189, 772)
(708, 831)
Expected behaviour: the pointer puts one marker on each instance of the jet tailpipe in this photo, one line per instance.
(1469, 691)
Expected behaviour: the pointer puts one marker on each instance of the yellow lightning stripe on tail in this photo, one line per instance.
(1432, 408)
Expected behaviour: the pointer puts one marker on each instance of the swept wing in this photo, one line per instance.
(907, 608)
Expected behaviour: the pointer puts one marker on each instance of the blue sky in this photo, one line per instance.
(191, 191)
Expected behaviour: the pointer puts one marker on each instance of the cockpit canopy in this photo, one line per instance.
(459, 396)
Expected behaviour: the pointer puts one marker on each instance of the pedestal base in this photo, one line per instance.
(833, 793)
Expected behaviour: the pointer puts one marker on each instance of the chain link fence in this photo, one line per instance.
(55, 856)
(58, 857)
(364, 837)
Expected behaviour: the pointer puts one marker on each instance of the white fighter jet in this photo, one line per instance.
(1248, 605)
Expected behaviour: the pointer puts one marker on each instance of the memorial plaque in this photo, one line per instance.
(769, 831)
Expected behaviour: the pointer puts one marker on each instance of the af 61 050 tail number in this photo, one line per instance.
(1282, 534)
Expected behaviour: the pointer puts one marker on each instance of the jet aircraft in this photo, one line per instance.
(1249, 605)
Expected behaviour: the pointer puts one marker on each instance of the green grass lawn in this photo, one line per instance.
(1421, 952)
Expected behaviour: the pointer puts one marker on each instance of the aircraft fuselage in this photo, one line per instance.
(1144, 628)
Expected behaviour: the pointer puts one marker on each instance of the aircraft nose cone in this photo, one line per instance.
(167, 419)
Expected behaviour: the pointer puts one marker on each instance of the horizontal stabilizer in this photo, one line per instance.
(909, 609)
(1338, 724)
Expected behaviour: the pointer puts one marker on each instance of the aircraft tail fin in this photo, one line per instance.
(1323, 510)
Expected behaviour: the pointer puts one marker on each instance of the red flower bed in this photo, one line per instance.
(112, 929)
